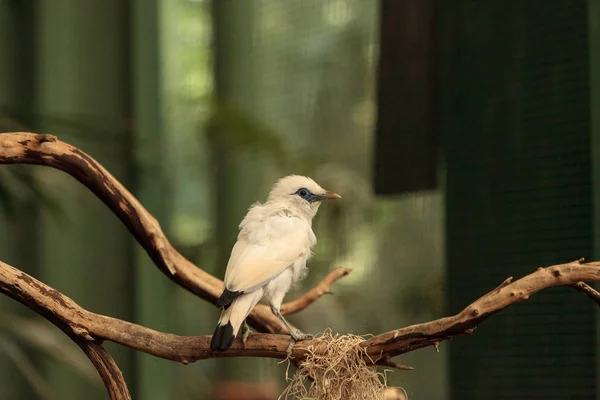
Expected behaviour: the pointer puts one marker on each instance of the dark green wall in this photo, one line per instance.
(87, 72)
(516, 119)
(18, 235)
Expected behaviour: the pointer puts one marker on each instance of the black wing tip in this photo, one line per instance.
(227, 297)
(222, 338)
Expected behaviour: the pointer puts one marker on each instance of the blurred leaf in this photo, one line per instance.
(428, 294)
(7, 201)
(244, 132)
(41, 196)
(10, 124)
(89, 126)
(51, 341)
(27, 368)
(21, 186)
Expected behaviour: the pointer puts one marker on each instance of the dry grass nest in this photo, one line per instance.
(339, 371)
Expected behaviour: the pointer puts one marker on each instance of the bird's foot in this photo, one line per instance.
(296, 337)
(245, 333)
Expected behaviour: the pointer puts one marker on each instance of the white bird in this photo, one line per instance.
(273, 245)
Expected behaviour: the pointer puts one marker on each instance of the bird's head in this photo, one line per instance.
(300, 192)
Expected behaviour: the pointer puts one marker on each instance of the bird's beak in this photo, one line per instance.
(331, 196)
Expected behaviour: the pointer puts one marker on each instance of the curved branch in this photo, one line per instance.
(70, 318)
(108, 369)
(322, 288)
(30, 148)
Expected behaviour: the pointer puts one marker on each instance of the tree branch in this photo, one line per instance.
(414, 337)
(31, 148)
(70, 318)
(322, 288)
(90, 327)
(588, 290)
(107, 369)
(87, 328)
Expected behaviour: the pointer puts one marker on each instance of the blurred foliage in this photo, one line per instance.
(94, 128)
(20, 186)
(241, 132)
(19, 336)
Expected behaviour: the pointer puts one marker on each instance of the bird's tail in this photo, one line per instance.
(231, 320)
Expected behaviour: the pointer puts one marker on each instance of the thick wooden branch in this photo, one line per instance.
(47, 150)
(87, 326)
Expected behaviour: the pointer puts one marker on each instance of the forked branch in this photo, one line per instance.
(89, 329)
(47, 150)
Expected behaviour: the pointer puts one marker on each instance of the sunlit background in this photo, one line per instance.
(198, 106)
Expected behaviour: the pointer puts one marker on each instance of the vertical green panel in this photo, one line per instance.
(186, 79)
(153, 375)
(236, 171)
(407, 138)
(515, 106)
(84, 98)
(16, 92)
(235, 95)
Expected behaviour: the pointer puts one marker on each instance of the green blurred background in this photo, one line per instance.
(462, 135)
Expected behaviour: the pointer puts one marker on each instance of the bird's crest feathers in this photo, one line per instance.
(290, 184)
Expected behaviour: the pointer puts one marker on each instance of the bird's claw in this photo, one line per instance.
(296, 337)
(245, 333)
(304, 336)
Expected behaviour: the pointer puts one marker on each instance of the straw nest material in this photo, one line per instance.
(338, 371)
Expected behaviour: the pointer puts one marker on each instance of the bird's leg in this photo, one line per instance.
(245, 333)
(296, 336)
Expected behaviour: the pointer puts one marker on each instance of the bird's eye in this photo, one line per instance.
(303, 192)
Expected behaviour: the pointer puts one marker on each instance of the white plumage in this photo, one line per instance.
(270, 255)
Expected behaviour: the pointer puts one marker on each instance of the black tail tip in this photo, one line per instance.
(227, 297)
(222, 338)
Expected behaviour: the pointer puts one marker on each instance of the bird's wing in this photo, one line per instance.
(264, 250)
